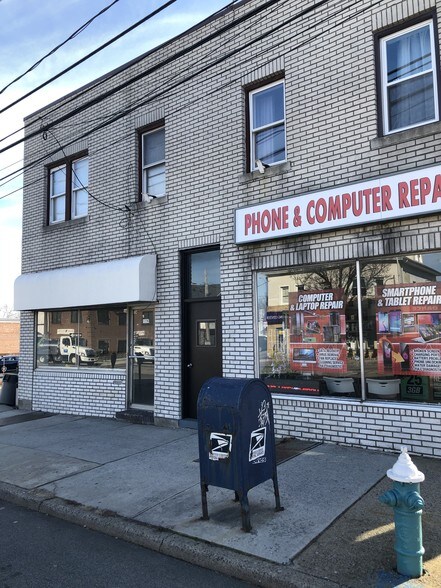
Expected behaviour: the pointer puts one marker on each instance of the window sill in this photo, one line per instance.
(140, 205)
(407, 135)
(274, 170)
(74, 222)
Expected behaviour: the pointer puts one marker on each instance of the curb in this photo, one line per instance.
(194, 551)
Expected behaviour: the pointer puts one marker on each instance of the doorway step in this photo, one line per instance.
(136, 416)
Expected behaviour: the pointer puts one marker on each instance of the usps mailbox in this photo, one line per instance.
(236, 439)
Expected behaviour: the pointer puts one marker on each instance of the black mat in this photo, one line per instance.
(22, 418)
(288, 448)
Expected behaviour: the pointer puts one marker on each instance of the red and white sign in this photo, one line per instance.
(386, 198)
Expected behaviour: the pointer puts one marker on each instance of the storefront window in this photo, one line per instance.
(81, 338)
(370, 330)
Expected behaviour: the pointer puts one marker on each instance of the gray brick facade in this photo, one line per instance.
(328, 62)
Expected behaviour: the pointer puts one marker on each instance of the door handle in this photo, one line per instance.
(189, 365)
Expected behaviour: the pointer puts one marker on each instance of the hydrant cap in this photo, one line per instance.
(405, 470)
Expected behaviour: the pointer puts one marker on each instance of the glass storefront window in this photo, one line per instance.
(308, 331)
(370, 330)
(83, 337)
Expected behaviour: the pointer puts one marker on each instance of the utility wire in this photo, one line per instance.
(111, 206)
(222, 73)
(89, 55)
(136, 78)
(55, 49)
(18, 172)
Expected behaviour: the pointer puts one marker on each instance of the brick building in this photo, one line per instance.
(257, 197)
(9, 336)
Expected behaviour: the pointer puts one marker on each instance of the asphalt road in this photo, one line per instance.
(37, 550)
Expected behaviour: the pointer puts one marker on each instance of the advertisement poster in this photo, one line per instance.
(318, 331)
(409, 329)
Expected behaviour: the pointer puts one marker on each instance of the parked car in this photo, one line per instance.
(48, 351)
(8, 363)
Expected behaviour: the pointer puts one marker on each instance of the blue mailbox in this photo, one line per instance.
(236, 439)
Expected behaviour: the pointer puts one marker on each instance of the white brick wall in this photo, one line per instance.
(379, 425)
(328, 60)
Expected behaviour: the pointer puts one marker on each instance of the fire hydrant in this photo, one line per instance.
(407, 502)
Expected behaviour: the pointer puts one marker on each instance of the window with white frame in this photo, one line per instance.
(267, 125)
(284, 294)
(153, 163)
(409, 87)
(68, 190)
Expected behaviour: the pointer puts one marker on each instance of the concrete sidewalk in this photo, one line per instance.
(141, 483)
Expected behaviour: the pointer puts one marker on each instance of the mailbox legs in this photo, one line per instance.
(204, 490)
(245, 512)
(279, 508)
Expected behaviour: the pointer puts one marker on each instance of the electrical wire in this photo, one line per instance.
(136, 78)
(89, 55)
(111, 206)
(82, 28)
(230, 81)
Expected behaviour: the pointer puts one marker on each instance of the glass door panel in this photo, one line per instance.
(142, 356)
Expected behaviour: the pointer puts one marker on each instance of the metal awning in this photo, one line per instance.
(120, 281)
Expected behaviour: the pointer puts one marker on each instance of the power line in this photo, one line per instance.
(55, 49)
(136, 78)
(125, 112)
(88, 56)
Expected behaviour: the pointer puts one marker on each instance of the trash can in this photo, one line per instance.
(8, 389)
(236, 439)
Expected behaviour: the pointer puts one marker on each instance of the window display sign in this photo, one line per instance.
(409, 329)
(318, 331)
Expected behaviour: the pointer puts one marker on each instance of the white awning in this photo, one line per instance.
(120, 281)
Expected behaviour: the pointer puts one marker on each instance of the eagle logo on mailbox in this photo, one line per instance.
(257, 443)
(220, 446)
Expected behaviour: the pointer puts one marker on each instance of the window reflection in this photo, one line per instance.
(309, 339)
(82, 338)
(204, 271)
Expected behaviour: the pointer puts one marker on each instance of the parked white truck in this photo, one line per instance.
(73, 348)
(143, 348)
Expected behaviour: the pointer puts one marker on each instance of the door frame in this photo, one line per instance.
(131, 355)
(186, 302)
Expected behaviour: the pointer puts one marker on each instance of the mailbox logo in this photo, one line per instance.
(220, 446)
(257, 443)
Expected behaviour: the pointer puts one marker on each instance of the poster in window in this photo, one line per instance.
(409, 329)
(318, 331)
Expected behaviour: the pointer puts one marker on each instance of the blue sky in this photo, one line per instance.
(32, 28)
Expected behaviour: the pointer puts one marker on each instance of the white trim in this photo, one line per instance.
(132, 279)
(385, 85)
(254, 130)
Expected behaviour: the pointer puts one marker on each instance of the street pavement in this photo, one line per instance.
(141, 483)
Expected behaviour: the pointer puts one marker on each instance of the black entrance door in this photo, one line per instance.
(202, 329)
(203, 358)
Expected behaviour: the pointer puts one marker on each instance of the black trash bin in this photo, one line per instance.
(236, 439)
(8, 389)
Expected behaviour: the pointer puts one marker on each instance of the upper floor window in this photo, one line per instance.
(409, 88)
(153, 163)
(267, 125)
(68, 194)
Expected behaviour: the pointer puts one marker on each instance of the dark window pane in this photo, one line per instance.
(411, 102)
(268, 106)
(409, 54)
(205, 274)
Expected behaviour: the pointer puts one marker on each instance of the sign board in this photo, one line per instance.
(386, 198)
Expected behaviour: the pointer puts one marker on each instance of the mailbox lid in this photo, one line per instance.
(227, 391)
